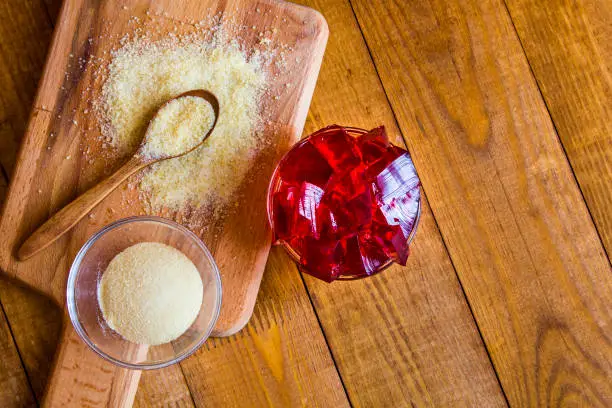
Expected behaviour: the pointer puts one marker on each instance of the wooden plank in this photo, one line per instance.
(502, 192)
(15, 391)
(407, 335)
(14, 388)
(162, 388)
(569, 47)
(24, 37)
(36, 324)
(279, 359)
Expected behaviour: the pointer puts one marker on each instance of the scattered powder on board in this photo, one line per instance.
(150, 293)
(178, 126)
(143, 74)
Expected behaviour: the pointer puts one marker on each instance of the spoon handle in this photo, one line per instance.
(71, 214)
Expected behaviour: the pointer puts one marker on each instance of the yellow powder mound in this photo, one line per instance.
(179, 126)
(142, 75)
(150, 293)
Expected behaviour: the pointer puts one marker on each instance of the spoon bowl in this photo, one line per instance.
(199, 93)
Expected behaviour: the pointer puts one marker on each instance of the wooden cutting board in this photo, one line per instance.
(52, 167)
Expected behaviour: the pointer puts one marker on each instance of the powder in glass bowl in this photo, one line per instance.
(178, 127)
(150, 293)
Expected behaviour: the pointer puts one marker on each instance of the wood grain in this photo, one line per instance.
(24, 36)
(81, 378)
(568, 45)
(279, 359)
(36, 325)
(157, 388)
(503, 194)
(14, 388)
(407, 335)
(163, 388)
(53, 8)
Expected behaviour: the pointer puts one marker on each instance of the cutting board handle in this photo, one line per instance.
(82, 378)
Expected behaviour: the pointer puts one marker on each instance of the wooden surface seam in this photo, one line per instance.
(568, 48)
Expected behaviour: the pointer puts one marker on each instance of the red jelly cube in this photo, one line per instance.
(356, 212)
(373, 145)
(337, 147)
(389, 238)
(349, 198)
(321, 258)
(305, 163)
(349, 216)
(397, 177)
(401, 214)
(348, 184)
(408, 205)
(361, 257)
(284, 209)
(309, 197)
(352, 263)
(372, 255)
(327, 224)
(383, 161)
(397, 193)
(344, 207)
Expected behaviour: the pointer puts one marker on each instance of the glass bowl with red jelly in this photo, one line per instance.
(345, 203)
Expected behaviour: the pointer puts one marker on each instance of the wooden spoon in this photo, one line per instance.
(68, 216)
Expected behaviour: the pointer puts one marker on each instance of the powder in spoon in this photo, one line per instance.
(150, 293)
(178, 127)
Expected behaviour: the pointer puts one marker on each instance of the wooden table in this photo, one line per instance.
(507, 297)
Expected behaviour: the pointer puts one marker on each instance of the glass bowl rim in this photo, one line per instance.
(272, 184)
(74, 270)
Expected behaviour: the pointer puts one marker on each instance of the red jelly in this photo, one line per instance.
(303, 156)
(361, 257)
(373, 145)
(308, 201)
(397, 193)
(322, 258)
(348, 196)
(337, 147)
(390, 238)
(345, 202)
(284, 209)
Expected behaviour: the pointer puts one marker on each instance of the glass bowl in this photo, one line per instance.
(86, 272)
(275, 183)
